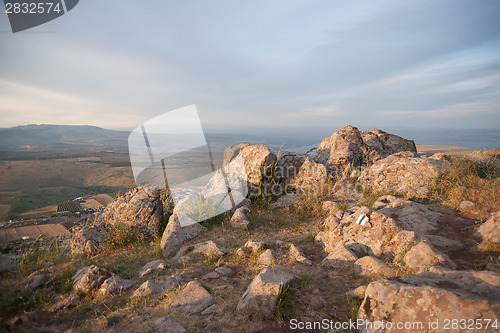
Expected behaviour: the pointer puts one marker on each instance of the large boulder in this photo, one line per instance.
(88, 278)
(413, 216)
(262, 293)
(422, 256)
(344, 147)
(489, 231)
(179, 229)
(401, 172)
(433, 296)
(288, 166)
(385, 144)
(373, 267)
(86, 241)
(140, 207)
(312, 177)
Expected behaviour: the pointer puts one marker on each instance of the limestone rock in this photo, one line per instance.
(88, 278)
(432, 296)
(333, 208)
(86, 241)
(413, 216)
(374, 236)
(286, 201)
(7, 264)
(311, 178)
(115, 285)
(422, 256)
(254, 245)
(151, 287)
(344, 147)
(153, 267)
(386, 144)
(38, 280)
(232, 152)
(489, 231)
(140, 207)
(401, 173)
(176, 234)
(240, 218)
(209, 248)
(65, 301)
(193, 299)
(288, 166)
(465, 205)
(262, 293)
(168, 325)
(267, 258)
(493, 267)
(296, 255)
(371, 266)
(225, 271)
(358, 292)
(446, 243)
(339, 258)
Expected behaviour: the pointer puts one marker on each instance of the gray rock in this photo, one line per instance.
(489, 231)
(358, 292)
(8, 265)
(140, 207)
(446, 243)
(115, 285)
(152, 287)
(155, 266)
(339, 258)
(267, 258)
(210, 276)
(439, 294)
(465, 205)
(422, 256)
(254, 245)
(262, 293)
(176, 234)
(89, 278)
(86, 241)
(401, 173)
(296, 255)
(168, 325)
(386, 144)
(65, 301)
(209, 248)
(193, 299)
(285, 201)
(493, 267)
(240, 218)
(225, 271)
(311, 178)
(210, 310)
(37, 280)
(414, 217)
(373, 267)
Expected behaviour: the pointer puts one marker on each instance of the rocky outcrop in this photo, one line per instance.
(38, 280)
(311, 178)
(385, 144)
(86, 241)
(340, 257)
(193, 299)
(140, 207)
(439, 294)
(296, 255)
(89, 278)
(267, 258)
(262, 293)
(401, 172)
(489, 231)
(412, 216)
(155, 266)
(288, 166)
(371, 239)
(176, 233)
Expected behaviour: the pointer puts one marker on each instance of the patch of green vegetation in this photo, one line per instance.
(285, 304)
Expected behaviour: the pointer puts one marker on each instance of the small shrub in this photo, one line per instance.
(39, 253)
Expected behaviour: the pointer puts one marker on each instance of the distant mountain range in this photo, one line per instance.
(62, 137)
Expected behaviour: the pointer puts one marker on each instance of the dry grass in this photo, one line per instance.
(472, 180)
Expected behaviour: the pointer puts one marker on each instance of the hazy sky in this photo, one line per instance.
(384, 64)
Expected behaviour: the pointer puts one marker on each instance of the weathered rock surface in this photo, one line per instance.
(373, 238)
(262, 293)
(432, 296)
(339, 258)
(401, 173)
(371, 266)
(176, 234)
(254, 245)
(413, 216)
(288, 166)
(38, 280)
(240, 218)
(155, 287)
(446, 243)
(422, 256)
(209, 248)
(88, 278)
(285, 201)
(386, 144)
(115, 285)
(466, 204)
(333, 208)
(168, 325)
(155, 266)
(296, 255)
(224, 271)
(8, 265)
(311, 178)
(193, 299)
(64, 301)
(140, 207)
(267, 258)
(489, 231)
(86, 241)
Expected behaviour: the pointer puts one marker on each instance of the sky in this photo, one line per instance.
(272, 64)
